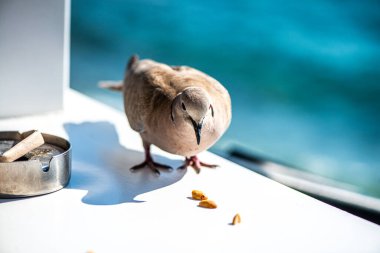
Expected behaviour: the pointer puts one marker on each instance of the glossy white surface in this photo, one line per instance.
(106, 208)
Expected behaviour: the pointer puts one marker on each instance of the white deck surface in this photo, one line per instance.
(106, 208)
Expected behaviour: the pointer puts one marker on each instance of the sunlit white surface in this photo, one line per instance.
(106, 208)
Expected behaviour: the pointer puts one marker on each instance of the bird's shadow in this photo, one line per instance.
(101, 166)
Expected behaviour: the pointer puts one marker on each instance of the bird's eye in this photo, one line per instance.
(183, 107)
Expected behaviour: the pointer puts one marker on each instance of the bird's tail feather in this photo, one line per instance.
(111, 85)
(132, 61)
(118, 85)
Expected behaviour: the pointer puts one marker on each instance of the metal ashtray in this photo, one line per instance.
(42, 170)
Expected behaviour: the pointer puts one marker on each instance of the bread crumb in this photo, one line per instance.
(208, 204)
(236, 219)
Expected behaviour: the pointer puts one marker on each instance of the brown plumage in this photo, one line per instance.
(179, 109)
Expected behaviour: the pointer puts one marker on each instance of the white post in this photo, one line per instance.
(34, 55)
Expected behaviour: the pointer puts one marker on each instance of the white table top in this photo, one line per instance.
(106, 208)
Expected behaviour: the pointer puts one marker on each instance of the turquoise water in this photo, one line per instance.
(304, 77)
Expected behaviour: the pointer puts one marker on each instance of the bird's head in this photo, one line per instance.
(192, 106)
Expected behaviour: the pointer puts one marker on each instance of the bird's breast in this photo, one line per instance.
(180, 139)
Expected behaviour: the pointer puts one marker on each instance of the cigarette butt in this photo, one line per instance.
(32, 141)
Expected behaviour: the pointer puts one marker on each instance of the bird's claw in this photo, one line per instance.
(207, 165)
(194, 162)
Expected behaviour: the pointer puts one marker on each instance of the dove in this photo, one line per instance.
(179, 109)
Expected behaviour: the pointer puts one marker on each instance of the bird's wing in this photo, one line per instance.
(148, 94)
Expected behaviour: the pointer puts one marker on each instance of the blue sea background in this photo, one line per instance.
(304, 76)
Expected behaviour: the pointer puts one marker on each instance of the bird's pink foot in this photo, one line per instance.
(150, 163)
(194, 162)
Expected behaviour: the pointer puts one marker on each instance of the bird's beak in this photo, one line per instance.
(198, 130)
